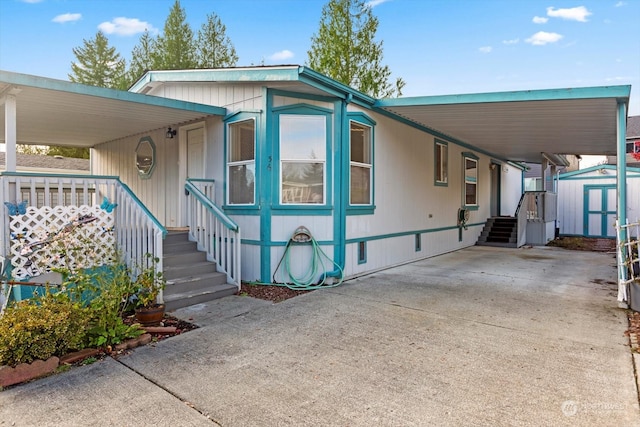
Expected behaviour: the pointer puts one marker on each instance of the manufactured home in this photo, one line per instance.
(267, 168)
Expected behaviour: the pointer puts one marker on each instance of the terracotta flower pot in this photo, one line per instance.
(150, 316)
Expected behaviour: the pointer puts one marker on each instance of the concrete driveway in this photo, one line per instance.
(483, 336)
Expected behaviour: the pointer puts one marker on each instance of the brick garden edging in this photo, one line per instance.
(27, 371)
(38, 368)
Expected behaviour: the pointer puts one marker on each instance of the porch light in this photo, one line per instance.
(170, 133)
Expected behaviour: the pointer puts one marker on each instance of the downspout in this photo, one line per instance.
(341, 197)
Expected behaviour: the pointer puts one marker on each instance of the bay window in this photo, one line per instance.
(241, 162)
(360, 164)
(303, 156)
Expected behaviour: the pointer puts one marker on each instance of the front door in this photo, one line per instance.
(195, 153)
(192, 161)
(599, 210)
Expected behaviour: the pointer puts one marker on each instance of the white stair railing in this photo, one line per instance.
(137, 231)
(215, 232)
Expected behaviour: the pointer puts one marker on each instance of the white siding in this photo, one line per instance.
(232, 96)
(117, 158)
(407, 201)
(511, 183)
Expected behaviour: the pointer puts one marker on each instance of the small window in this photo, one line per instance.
(470, 196)
(362, 252)
(145, 157)
(241, 162)
(441, 163)
(418, 241)
(361, 164)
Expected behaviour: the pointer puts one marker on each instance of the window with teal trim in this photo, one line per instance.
(241, 162)
(361, 164)
(303, 158)
(470, 167)
(441, 167)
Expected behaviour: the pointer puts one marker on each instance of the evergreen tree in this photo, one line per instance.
(345, 50)
(213, 48)
(97, 63)
(141, 58)
(175, 48)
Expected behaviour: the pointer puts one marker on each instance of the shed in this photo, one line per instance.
(587, 201)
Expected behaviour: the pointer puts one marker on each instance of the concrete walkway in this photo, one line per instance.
(483, 336)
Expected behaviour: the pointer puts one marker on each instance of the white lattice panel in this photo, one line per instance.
(60, 237)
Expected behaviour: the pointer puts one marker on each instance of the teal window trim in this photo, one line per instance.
(368, 208)
(468, 156)
(362, 252)
(146, 173)
(361, 210)
(440, 163)
(231, 119)
(302, 208)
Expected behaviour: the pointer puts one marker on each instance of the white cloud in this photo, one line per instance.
(486, 49)
(540, 20)
(126, 26)
(374, 3)
(67, 17)
(512, 41)
(282, 55)
(621, 3)
(579, 13)
(542, 37)
(32, 1)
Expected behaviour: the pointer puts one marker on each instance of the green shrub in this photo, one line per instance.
(109, 289)
(49, 325)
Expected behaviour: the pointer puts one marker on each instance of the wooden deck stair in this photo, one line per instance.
(191, 279)
(499, 231)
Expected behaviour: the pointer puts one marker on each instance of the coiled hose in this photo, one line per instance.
(317, 274)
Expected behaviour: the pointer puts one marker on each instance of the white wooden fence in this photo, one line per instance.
(137, 232)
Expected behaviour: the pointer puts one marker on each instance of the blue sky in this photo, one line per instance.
(437, 46)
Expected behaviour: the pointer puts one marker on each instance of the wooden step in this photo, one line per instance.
(191, 279)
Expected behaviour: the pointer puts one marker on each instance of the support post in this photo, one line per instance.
(621, 193)
(10, 132)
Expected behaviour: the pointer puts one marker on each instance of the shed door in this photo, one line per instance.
(599, 210)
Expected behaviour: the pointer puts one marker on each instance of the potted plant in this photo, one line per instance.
(147, 285)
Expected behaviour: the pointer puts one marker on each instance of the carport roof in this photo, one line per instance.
(56, 112)
(519, 126)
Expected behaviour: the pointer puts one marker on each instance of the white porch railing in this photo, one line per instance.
(535, 207)
(628, 256)
(215, 232)
(539, 205)
(137, 231)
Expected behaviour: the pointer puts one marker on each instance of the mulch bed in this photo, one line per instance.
(272, 293)
(584, 244)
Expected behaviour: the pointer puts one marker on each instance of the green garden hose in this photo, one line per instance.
(317, 274)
